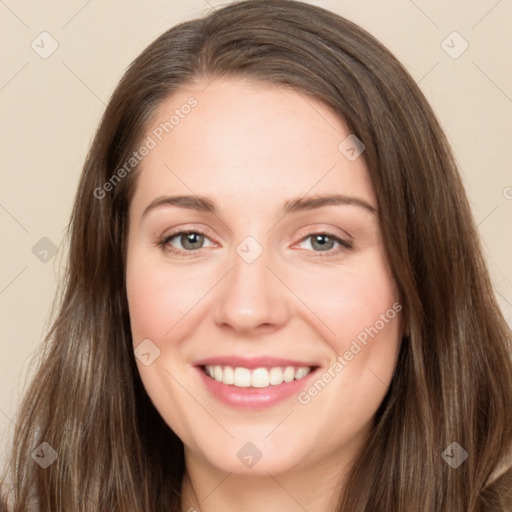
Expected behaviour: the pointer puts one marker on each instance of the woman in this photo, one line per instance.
(276, 297)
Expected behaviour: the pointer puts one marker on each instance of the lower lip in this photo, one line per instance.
(254, 398)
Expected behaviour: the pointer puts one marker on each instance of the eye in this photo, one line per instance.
(189, 242)
(325, 243)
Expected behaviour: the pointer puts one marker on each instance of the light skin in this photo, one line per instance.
(249, 148)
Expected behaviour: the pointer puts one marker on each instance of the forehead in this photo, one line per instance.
(247, 143)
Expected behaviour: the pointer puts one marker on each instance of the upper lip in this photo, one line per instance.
(252, 362)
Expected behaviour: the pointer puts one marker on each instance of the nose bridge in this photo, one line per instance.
(251, 295)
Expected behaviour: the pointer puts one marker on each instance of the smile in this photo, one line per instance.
(257, 377)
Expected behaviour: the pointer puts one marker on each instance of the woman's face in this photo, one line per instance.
(254, 272)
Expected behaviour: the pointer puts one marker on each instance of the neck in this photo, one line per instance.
(315, 489)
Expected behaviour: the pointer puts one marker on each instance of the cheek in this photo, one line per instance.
(347, 300)
(358, 313)
(158, 298)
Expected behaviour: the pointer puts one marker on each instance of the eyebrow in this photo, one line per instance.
(204, 204)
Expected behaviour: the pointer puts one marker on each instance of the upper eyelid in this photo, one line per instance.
(303, 232)
(335, 232)
(184, 231)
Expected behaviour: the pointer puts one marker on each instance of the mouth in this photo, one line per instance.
(262, 377)
(257, 385)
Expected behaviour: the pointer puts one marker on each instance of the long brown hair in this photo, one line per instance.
(453, 378)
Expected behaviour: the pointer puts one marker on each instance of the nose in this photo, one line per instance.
(252, 299)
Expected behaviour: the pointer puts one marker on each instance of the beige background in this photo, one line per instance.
(50, 108)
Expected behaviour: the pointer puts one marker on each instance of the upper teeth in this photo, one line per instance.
(257, 378)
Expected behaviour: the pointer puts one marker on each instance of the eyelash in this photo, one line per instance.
(164, 243)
